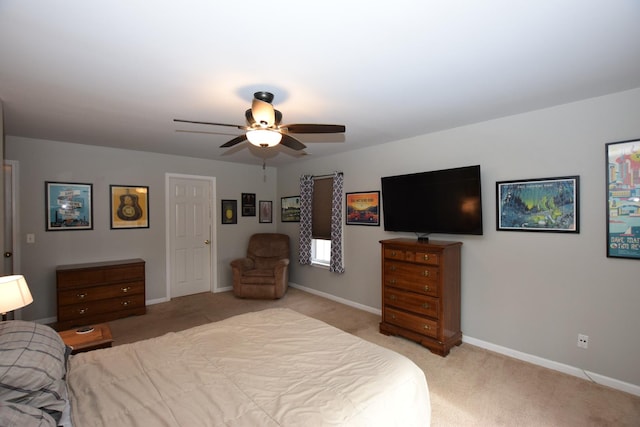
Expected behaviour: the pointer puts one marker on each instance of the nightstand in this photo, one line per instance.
(100, 337)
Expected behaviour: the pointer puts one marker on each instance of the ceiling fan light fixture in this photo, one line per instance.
(264, 137)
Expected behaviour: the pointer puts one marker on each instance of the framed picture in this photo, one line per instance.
(266, 212)
(544, 204)
(363, 208)
(290, 209)
(129, 206)
(248, 204)
(69, 206)
(623, 199)
(229, 211)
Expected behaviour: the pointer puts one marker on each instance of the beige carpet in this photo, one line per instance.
(470, 387)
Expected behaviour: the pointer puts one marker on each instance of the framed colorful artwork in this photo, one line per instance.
(129, 206)
(69, 206)
(623, 199)
(229, 211)
(543, 204)
(363, 208)
(290, 209)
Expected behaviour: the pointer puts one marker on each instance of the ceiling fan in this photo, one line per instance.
(263, 128)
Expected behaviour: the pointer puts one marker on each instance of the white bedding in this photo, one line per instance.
(270, 368)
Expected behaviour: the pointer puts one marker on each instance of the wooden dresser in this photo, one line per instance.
(99, 292)
(421, 292)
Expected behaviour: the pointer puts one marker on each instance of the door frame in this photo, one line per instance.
(213, 276)
(14, 238)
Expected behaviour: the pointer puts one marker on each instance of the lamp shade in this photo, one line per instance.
(14, 293)
(264, 137)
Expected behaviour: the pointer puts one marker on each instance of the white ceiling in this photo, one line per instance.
(116, 73)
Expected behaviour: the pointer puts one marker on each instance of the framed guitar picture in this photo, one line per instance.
(129, 206)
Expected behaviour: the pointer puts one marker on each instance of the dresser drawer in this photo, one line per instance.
(426, 272)
(397, 254)
(419, 304)
(95, 293)
(77, 312)
(81, 277)
(412, 322)
(427, 258)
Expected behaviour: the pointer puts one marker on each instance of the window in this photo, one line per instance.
(321, 252)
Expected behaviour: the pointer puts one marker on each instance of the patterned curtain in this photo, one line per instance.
(306, 195)
(336, 264)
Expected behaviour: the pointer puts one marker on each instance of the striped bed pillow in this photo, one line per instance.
(32, 370)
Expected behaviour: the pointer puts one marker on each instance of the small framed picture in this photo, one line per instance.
(363, 208)
(69, 206)
(129, 206)
(229, 211)
(290, 209)
(248, 204)
(266, 212)
(542, 204)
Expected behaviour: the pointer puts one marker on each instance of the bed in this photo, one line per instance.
(274, 367)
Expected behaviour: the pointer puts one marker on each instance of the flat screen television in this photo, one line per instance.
(447, 201)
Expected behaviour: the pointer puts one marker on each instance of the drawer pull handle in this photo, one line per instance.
(393, 253)
(125, 303)
(426, 257)
(426, 288)
(82, 310)
(427, 327)
(125, 290)
(425, 305)
(393, 316)
(425, 273)
(393, 268)
(392, 281)
(82, 295)
(392, 297)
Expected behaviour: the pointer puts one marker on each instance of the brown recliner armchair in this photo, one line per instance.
(264, 272)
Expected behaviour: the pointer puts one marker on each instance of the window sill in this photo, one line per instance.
(320, 264)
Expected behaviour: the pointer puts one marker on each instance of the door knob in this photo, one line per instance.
(206, 242)
(8, 254)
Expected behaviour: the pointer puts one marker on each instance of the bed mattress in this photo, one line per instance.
(269, 368)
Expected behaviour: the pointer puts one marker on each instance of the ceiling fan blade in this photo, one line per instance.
(263, 112)
(235, 141)
(210, 123)
(314, 128)
(291, 142)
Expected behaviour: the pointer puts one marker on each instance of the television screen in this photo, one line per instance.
(446, 201)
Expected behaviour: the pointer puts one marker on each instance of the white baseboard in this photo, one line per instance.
(556, 366)
(337, 299)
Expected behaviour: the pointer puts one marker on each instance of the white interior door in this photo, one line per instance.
(191, 234)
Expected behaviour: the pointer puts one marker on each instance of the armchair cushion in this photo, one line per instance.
(264, 272)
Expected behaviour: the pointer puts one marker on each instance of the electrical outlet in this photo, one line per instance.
(583, 341)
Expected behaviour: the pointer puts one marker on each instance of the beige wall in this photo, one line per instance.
(529, 292)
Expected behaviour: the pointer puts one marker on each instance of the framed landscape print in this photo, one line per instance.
(69, 206)
(363, 208)
(623, 199)
(543, 204)
(290, 209)
(129, 206)
(229, 211)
